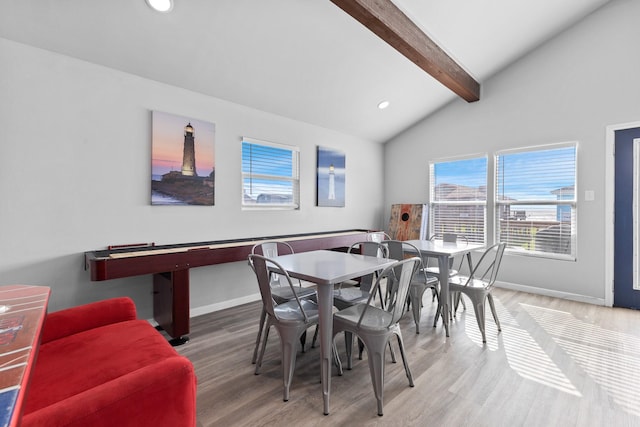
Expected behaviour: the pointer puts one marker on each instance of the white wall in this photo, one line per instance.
(569, 89)
(75, 147)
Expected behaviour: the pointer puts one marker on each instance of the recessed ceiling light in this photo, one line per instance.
(383, 105)
(160, 5)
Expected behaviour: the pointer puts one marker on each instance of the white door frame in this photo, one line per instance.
(609, 171)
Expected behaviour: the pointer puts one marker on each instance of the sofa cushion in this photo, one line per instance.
(72, 365)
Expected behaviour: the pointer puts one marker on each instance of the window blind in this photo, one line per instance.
(458, 197)
(270, 175)
(536, 200)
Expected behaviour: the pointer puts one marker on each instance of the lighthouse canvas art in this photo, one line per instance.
(331, 177)
(182, 160)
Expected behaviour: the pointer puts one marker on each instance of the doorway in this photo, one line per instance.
(626, 168)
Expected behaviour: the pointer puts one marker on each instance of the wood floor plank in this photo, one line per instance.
(556, 362)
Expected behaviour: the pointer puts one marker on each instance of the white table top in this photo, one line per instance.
(330, 267)
(439, 248)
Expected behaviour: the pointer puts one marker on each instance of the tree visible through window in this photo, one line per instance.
(458, 197)
(536, 200)
(270, 175)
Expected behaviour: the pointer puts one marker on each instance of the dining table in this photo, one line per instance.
(327, 268)
(443, 251)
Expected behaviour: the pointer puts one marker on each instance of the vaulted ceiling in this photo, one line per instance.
(303, 59)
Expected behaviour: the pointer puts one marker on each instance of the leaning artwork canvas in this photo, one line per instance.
(182, 160)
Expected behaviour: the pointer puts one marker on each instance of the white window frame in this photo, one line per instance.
(500, 204)
(293, 178)
(472, 203)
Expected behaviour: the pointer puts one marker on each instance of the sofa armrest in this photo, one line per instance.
(89, 316)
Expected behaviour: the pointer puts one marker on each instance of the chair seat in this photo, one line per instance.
(422, 278)
(435, 271)
(375, 319)
(352, 295)
(290, 311)
(282, 294)
(459, 282)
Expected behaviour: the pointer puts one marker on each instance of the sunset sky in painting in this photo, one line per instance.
(168, 141)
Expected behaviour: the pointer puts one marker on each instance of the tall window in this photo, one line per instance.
(270, 175)
(458, 197)
(536, 200)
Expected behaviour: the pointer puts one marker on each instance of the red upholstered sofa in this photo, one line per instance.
(99, 366)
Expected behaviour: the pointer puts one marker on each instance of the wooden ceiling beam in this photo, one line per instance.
(384, 19)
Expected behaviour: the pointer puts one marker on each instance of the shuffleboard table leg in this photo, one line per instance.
(171, 304)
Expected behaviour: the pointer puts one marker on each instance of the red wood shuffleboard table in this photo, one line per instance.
(170, 265)
(22, 312)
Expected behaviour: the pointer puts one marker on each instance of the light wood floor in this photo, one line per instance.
(555, 363)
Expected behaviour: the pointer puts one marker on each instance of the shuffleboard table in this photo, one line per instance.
(23, 309)
(170, 265)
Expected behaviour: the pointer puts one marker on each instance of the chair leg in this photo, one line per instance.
(393, 353)
(263, 316)
(416, 294)
(438, 313)
(361, 350)
(404, 358)
(288, 338)
(456, 299)
(493, 311)
(348, 343)
(460, 300)
(288, 365)
(303, 340)
(336, 357)
(478, 306)
(267, 327)
(315, 338)
(375, 356)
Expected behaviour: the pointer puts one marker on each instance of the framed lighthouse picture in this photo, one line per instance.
(182, 160)
(331, 177)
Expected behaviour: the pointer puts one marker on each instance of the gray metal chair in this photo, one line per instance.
(356, 293)
(447, 238)
(346, 296)
(281, 292)
(290, 318)
(478, 285)
(399, 250)
(375, 326)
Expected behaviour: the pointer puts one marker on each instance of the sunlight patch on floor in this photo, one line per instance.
(609, 358)
(523, 353)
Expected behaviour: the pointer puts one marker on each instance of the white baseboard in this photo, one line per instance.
(551, 293)
(513, 286)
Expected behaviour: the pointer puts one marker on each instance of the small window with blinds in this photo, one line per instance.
(270, 175)
(536, 200)
(458, 197)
